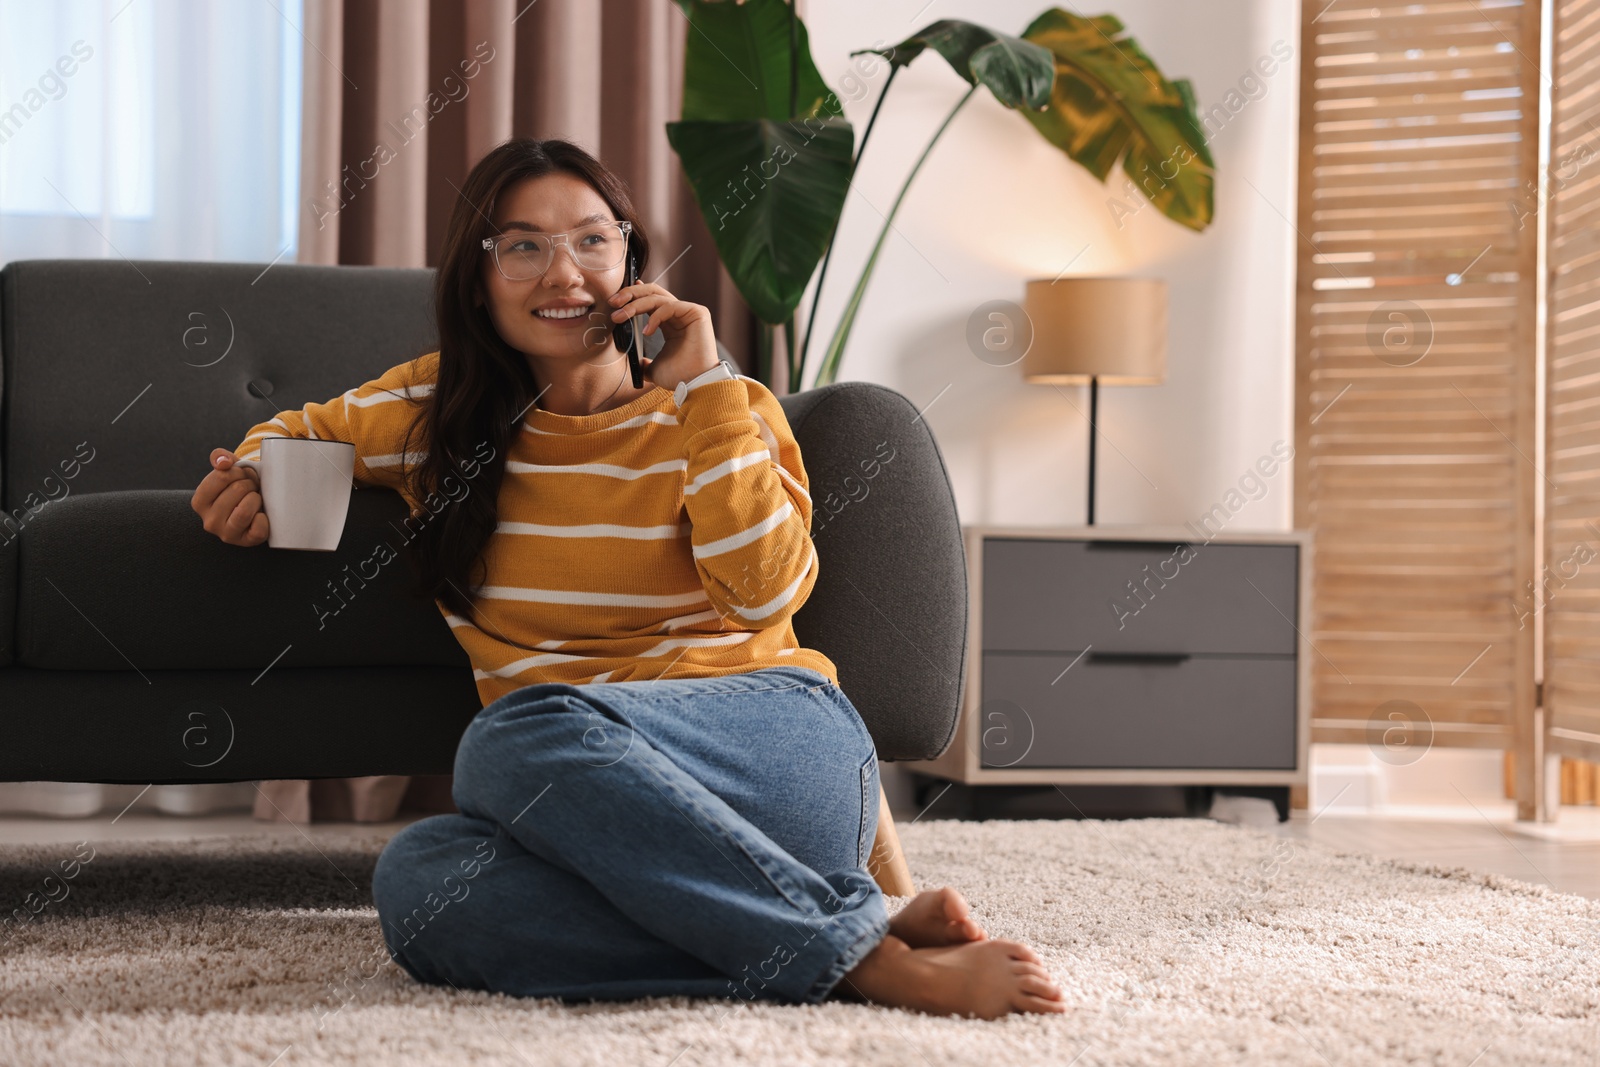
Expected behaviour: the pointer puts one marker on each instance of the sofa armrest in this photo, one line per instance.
(890, 603)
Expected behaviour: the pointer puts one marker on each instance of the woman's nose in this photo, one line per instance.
(563, 268)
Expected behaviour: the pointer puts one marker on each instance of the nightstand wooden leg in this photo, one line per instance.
(887, 862)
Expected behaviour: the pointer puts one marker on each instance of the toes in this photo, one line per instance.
(1018, 951)
(1028, 1002)
(1034, 985)
(953, 903)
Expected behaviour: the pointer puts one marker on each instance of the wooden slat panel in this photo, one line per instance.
(1436, 81)
(1568, 586)
(1351, 156)
(1418, 160)
(1385, 175)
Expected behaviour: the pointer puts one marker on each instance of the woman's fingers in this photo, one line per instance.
(671, 311)
(243, 512)
(641, 304)
(637, 289)
(228, 501)
(660, 308)
(216, 482)
(218, 512)
(235, 496)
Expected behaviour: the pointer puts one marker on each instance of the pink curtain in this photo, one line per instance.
(401, 98)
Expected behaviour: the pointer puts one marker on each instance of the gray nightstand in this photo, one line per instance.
(1133, 655)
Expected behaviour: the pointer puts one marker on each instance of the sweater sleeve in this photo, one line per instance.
(748, 501)
(374, 416)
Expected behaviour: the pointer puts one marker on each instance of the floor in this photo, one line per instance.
(1564, 855)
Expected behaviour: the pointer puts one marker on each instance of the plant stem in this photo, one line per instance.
(816, 296)
(788, 348)
(764, 353)
(830, 361)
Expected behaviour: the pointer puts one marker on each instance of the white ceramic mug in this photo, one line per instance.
(305, 490)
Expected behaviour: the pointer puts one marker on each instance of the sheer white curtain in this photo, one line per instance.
(154, 129)
(147, 129)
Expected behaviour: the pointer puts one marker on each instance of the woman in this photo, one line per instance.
(663, 793)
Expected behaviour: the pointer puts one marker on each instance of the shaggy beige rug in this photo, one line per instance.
(1177, 941)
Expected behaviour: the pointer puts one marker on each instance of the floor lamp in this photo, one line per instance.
(1096, 330)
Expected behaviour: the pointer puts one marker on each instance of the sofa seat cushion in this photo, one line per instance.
(130, 580)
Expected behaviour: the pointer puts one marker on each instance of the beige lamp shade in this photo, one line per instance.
(1114, 329)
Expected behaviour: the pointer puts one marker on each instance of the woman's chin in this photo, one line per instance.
(563, 343)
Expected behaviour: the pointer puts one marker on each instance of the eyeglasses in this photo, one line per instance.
(523, 256)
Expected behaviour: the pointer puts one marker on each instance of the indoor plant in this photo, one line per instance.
(769, 154)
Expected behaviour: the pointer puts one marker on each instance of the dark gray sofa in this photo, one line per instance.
(136, 647)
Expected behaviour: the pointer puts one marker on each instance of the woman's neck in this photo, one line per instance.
(585, 387)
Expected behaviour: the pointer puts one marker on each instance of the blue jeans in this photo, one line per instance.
(700, 837)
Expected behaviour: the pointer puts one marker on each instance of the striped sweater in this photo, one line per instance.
(642, 542)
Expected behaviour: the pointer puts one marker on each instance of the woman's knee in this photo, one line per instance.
(487, 735)
(507, 737)
(488, 741)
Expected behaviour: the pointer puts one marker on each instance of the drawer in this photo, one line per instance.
(1218, 712)
(1044, 595)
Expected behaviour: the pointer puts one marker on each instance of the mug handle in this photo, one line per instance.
(256, 463)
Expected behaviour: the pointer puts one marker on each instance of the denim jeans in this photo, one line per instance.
(700, 837)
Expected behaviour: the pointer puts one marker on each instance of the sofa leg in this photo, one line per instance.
(887, 862)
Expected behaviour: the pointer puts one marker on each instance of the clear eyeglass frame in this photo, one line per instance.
(493, 245)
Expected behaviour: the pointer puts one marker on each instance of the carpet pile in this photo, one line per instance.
(1177, 941)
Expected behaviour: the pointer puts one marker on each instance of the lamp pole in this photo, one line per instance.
(1094, 418)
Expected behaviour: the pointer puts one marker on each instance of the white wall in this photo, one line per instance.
(996, 204)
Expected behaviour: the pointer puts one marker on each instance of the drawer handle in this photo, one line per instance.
(1142, 546)
(1152, 658)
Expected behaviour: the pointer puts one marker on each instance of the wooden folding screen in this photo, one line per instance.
(1415, 370)
(1569, 583)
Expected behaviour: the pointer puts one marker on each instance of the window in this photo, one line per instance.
(149, 129)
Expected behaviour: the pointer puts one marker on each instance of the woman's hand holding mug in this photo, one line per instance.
(304, 482)
(228, 501)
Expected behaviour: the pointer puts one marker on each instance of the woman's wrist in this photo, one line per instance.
(718, 371)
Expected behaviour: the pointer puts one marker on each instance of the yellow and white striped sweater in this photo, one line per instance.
(642, 542)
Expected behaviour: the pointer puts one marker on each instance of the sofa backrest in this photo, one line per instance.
(125, 375)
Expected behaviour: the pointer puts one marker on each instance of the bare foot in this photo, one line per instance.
(979, 979)
(935, 918)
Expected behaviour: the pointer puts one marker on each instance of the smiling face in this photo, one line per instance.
(563, 314)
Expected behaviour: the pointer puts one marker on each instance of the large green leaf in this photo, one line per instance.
(1017, 72)
(736, 62)
(770, 193)
(1110, 103)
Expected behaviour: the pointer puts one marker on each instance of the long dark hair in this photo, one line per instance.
(484, 386)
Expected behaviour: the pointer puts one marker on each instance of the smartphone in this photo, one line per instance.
(628, 333)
